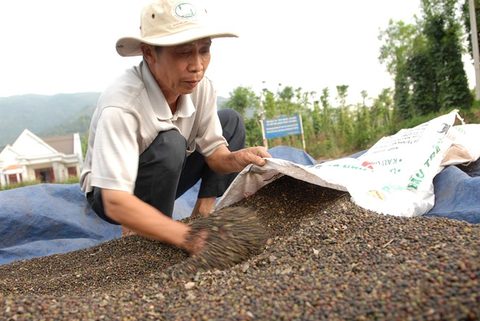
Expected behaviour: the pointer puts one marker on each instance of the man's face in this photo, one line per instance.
(179, 69)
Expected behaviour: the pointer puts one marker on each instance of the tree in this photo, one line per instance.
(285, 103)
(268, 103)
(426, 61)
(362, 125)
(316, 119)
(401, 97)
(382, 119)
(424, 88)
(399, 41)
(442, 31)
(344, 120)
(244, 99)
(454, 89)
(327, 116)
(241, 99)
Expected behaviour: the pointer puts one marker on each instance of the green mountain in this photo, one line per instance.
(48, 115)
(43, 115)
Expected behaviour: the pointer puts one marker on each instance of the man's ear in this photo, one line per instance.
(148, 53)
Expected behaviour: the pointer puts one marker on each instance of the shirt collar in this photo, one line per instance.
(185, 106)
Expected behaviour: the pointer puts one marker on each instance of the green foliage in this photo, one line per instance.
(445, 51)
(398, 40)
(253, 128)
(422, 99)
(332, 131)
(454, 91)
(242, 99)
(424, 58)
(402, 95)
(426, 61)
(17, 185)
(70, 180)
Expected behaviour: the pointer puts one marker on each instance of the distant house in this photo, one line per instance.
(47, 160)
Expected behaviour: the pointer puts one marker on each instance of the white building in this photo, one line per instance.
(47, 160)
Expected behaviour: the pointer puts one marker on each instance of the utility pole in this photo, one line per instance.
(473, 27)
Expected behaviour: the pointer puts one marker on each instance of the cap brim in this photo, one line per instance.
(130, 46)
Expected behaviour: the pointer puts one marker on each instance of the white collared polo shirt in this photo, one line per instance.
(129, 116)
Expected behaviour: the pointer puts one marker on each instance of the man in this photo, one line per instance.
(156, 132)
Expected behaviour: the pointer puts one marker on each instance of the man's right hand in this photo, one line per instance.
(194, 244)
(145, 220)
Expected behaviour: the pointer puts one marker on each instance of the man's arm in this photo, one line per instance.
(142, 218)
(131, 212)
(222, 160)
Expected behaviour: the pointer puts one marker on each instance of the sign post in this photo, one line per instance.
(282, 126)
(264, 139)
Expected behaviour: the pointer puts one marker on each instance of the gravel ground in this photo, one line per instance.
(324, 259)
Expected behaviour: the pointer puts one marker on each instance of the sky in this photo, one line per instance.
(64, 46)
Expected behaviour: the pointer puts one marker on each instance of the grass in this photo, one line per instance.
(70, 180)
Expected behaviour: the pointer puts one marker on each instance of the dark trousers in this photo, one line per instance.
(165, 172)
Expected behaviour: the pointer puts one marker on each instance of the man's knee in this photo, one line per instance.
(159, 171)
(166, 151)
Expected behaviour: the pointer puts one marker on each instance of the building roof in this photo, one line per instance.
(62, 144)
(14, 166)
(29, 146)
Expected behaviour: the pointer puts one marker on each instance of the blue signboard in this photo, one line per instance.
(282, 126)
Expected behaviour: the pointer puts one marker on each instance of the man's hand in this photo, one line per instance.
(145, 220)
(194, 244)
(224, 161)
(251, 155)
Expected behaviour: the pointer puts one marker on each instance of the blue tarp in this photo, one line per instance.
(457, 193)
(48, 219)
(185, 204)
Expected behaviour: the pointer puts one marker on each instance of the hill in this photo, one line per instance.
(44, 115)
(48, 115)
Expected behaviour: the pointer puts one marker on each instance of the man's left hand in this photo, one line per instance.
(224, 161)
(251, 155)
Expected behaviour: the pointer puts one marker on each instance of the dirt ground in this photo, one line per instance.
(324, 259)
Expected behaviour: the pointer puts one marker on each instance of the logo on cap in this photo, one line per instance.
(185, 10)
